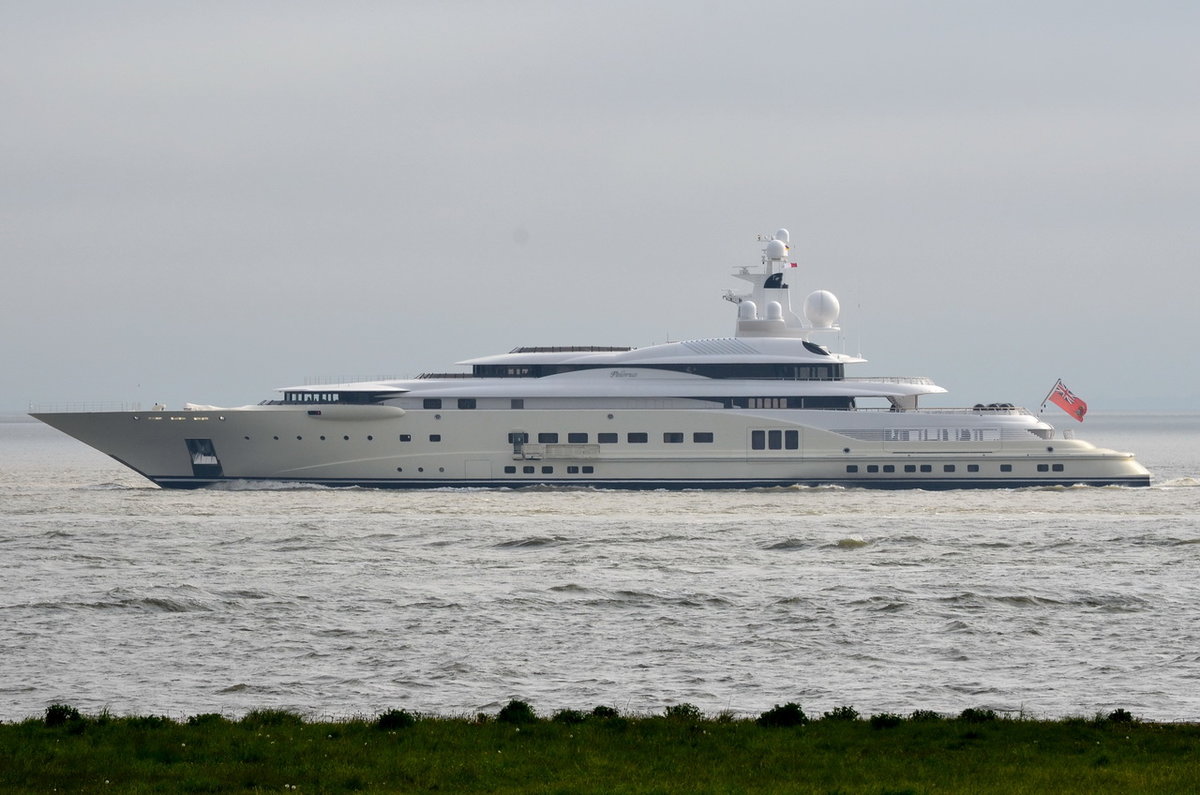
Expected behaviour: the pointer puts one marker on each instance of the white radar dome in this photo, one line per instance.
(776, 249)
(774, 310)
(747, 310)
(821, 309)
(782, 234)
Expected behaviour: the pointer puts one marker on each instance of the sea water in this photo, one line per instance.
(1048, 602)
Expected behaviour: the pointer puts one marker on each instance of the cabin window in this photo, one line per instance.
(518, 437)
(926, 467)
(577, 438)
(889, 468)
(510, 470)
(775, 440)
(572, 470)
(671, 437)
(872, 468)
(1057, 467)
(435, 437)
(466, 403)
(606, 438)
(547, 438)
(910, 467)
(527, 470)
(948, 468)
(1006, 467)
(758, 440)
(852, 468)
(517, 403)
(587, 470)
(702, 437)
(972, 467)
(432, 403)
(547, 470)
(638, 438)
(791, 440)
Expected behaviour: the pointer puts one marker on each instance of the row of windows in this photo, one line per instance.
(794, 402)
(775, 440)
(789, 372)
(633, 437)
(549, 470)
(874, 468)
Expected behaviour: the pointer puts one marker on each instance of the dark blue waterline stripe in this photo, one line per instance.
(938, 484)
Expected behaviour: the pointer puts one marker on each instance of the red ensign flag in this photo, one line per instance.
(1062, 397)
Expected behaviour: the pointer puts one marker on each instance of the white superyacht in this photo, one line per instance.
(768, 406)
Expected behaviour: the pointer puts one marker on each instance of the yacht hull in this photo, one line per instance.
(388, 447)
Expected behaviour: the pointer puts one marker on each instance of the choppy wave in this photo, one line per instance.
(342, 601)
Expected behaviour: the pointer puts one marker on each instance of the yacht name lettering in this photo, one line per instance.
(622, 374)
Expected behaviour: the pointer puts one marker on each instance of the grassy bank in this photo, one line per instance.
(599, 751)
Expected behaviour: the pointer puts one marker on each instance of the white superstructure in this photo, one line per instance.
(769, 406)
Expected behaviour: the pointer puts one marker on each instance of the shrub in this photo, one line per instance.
(61, 715)
(569, 716)
(516, 712)
(886, 720)
(973, 715)
(786, 716)
(925, 716)
(206, 719)
(604, 712)
(149, 722)
(684, 711)
(1119, 716)
(395, 719)
(272, 717)
(841, 713)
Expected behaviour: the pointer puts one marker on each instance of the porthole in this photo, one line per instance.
(420, 469)
(610, 416)
(399, 469)
(370, 438)
(347, 438)
(276, 438)
(441, 469)
(845, 449)
(299, 438)
(247, 438)
(322, 438)
(437, 416)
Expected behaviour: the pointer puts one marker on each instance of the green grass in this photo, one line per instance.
(582, 751)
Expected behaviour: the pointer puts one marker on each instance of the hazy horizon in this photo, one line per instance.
(202, 203)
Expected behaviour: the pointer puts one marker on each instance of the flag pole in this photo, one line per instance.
(1051, 392)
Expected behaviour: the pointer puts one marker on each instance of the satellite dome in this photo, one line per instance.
(747, 310)
(776, 249)
(774, 310)
(821, 309)
(782, 234)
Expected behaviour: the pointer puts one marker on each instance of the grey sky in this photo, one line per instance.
(204, 201)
